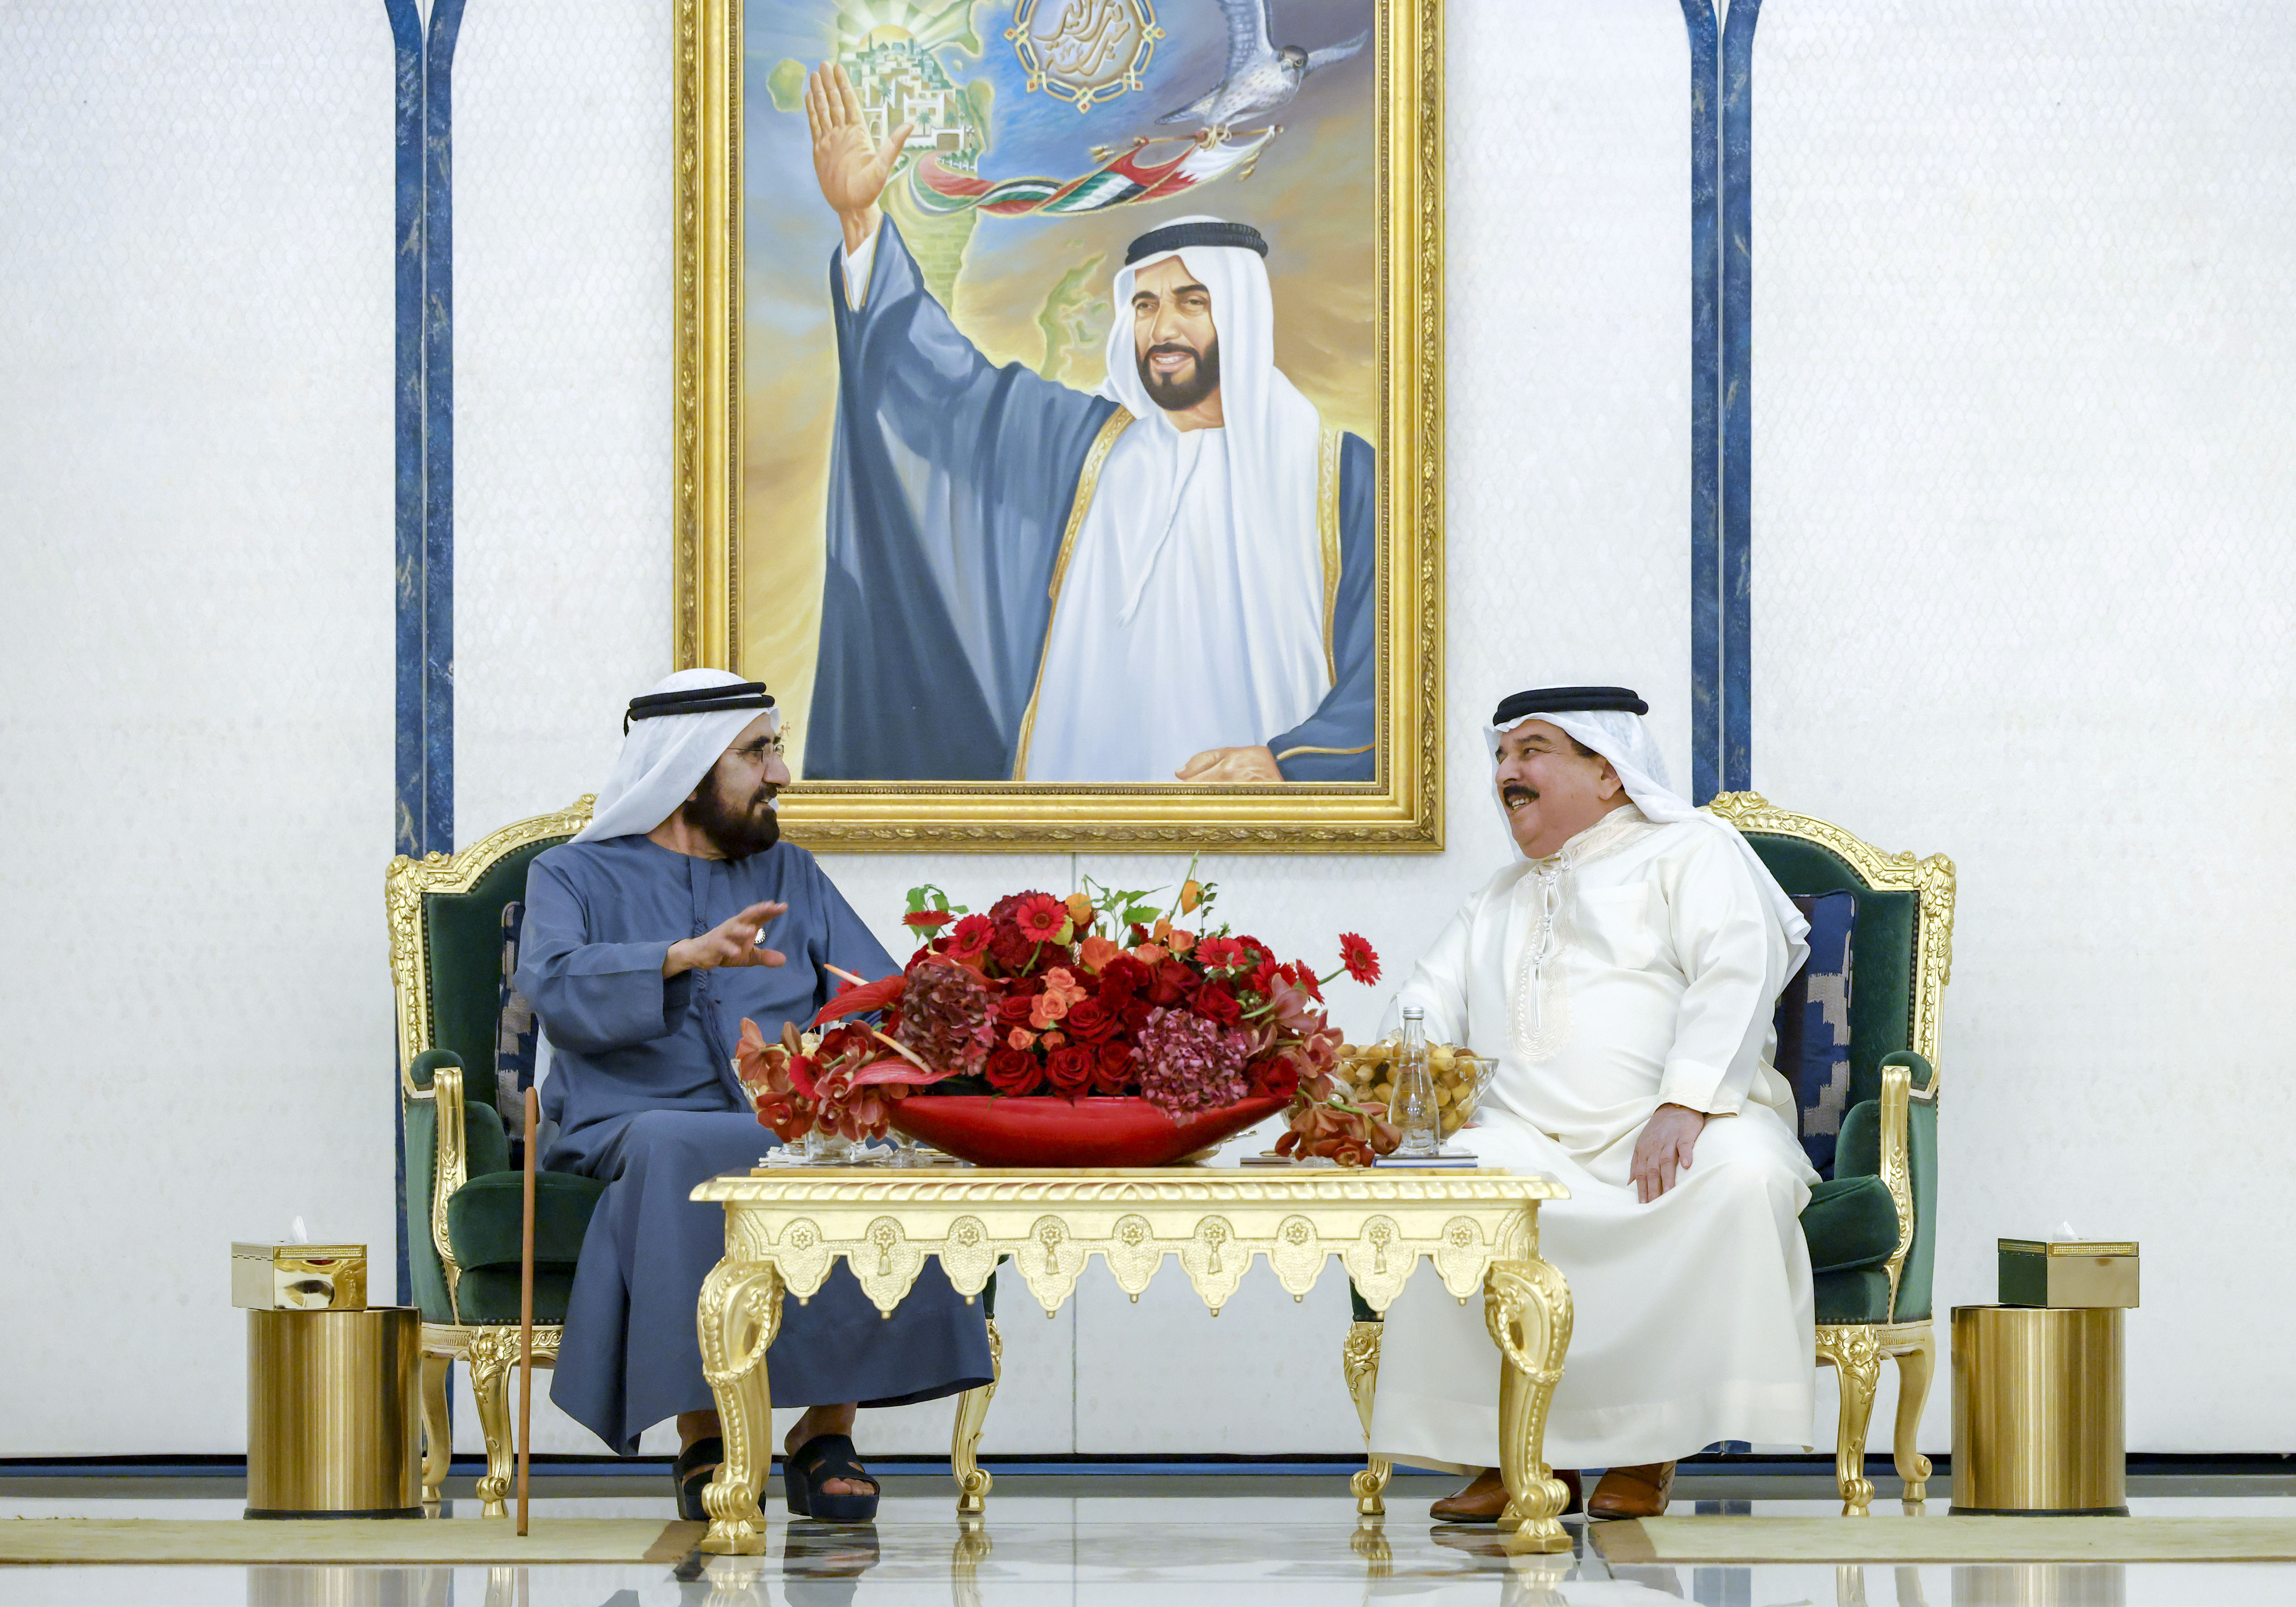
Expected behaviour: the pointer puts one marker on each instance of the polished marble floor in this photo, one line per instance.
(1142, 1541)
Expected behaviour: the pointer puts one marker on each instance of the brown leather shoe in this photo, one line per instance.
(1632, 1492)
(1485, 1498)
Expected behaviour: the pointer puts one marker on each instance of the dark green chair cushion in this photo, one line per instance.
(485, 1219)
(489, 1294)
(1860, 1154)
(1850, 1222)
(1861, 1295)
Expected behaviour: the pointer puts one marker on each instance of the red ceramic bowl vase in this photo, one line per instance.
(1094, 1131)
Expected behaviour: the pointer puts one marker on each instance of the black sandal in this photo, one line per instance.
(813, 1464)
(691, 1473)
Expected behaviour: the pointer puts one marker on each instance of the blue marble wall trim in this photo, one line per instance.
(1706, 700)
(423, 425)
(1737, 395)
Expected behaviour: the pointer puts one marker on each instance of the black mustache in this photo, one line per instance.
(1176, 349)
(1515, 790)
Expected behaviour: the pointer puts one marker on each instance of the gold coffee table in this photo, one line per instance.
(786, 1226)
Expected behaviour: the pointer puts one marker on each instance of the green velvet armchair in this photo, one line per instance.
(1870, 1308)
(464, 1204)
(1871, 1227)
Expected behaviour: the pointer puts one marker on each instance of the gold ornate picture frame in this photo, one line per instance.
(741, 593)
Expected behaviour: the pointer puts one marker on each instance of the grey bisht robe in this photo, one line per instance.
(641, 1091)
(950, 484)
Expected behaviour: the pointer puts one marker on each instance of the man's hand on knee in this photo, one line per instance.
(1664, 1149)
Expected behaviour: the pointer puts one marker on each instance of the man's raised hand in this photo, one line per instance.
(852, 169)
(1664, 1149)
(734, 942)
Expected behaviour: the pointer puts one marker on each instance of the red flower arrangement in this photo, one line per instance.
(1042, 997)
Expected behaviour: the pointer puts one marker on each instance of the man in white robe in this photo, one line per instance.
(1623, 973)
(1010, 563)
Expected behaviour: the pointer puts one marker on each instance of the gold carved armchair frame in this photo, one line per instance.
(489, 1349)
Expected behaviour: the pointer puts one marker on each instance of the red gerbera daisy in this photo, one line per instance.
(1219, 954)
(1040, 918)
(970, 938)
(928, 920)
(1359, 957)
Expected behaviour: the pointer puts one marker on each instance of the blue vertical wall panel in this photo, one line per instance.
(423, 419)
(1737, 395)
(1706, 613)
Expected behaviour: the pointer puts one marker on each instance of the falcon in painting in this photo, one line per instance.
(1262, 77)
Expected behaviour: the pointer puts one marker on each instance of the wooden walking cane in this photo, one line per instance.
(526, 1313)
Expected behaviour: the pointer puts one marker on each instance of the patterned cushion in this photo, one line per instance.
(1813, 1024)
(514, 1039)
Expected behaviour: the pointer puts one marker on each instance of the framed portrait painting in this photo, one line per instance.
(1060, 416)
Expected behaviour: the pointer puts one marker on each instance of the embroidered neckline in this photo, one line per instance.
(1540, 1005)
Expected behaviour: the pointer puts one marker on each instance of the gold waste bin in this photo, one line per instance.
(332, 1406)
(2037, 1411)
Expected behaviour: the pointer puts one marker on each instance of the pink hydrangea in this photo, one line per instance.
(945, 1017)
(1186, 1064)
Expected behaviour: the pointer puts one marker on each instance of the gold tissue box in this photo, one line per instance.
(2037, 1273)
(299, 1277)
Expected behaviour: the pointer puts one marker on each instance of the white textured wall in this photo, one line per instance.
(2022, 375)
(2020, 361)
(195, 688)
(562, 286)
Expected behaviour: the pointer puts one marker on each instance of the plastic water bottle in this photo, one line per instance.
(1414, 1112)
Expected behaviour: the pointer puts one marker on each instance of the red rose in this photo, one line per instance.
(1091, 1020)
(1112, 1071)
(1122, 979)
(1013, 1009)
(1070, 1067)
(1014, 1071)
(1216, 1002)
(1359, 957)
(1278, 1078)
(969, 939)
(1137, 1014)
(1172, 983)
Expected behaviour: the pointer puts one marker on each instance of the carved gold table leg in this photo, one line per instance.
(1360, 1361)
(972, 1481)
(1856, 1353)
(1527, 1308)
(438, 1446)
(1915, 1368)
(493, 1352)
(740, 1312)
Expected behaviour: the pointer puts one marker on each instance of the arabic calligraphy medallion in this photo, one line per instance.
(1083, 51)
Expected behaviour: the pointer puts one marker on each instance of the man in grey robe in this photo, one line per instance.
(1012, 564)
(641, 953)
